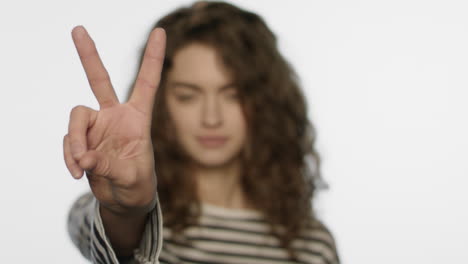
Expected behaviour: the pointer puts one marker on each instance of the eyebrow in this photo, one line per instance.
(196, 87)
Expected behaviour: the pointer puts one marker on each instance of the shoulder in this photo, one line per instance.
(318, 239)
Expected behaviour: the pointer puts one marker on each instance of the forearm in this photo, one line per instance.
(124, 232)
(102, 238)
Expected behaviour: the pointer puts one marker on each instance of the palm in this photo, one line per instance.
(113, 145)
(119, 135)
(118, 132)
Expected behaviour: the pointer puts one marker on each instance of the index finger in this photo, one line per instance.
(149, 75)
(98, 77)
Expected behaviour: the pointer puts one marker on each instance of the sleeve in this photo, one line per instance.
(318, 245)
(329, 251)
(87, 232)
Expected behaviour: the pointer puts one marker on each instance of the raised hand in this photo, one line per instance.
(113, 145)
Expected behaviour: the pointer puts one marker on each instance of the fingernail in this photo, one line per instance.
(79, 31)
(77, 174)
(77, 149)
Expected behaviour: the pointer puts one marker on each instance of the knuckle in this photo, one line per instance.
(78, 109)
(154, 57)
(145, 84)
(78, 118)
(74, 137)
(99, 80)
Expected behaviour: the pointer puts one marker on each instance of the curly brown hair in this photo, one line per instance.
(279, 159)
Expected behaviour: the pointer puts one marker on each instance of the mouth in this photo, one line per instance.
(211, 141)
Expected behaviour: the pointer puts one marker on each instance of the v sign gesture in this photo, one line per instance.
(113, 145)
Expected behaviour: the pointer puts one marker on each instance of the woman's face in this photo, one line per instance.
(204, 107)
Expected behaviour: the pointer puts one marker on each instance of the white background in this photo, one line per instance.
(387, 86)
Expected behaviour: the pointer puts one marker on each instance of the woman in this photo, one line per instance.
(227, 135)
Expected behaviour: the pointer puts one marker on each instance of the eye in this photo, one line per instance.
(232, 94)
(185, 97)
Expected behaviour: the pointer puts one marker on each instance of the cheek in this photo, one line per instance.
(237, 122)
(183, 119)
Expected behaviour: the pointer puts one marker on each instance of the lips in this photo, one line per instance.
(211, 141)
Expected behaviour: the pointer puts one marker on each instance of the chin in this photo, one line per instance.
(215, 160)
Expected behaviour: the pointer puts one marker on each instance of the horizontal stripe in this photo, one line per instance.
(240, 235)
(318, 248)
(239, 250)
(227, 239)
(192, 254)
(221, 236)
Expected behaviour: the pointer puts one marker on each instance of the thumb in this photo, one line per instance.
(97, 163)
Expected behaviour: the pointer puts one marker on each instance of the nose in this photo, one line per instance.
(211, 112)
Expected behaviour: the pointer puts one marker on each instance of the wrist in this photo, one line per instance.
(124, 230)
(127, 212)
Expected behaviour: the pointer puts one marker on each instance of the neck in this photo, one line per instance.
(221, 185)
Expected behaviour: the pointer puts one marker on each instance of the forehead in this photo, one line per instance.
(201, 65)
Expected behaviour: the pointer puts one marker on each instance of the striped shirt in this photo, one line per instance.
(222, 235)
